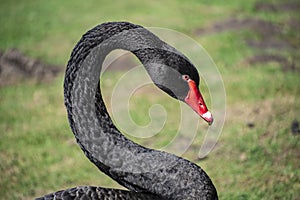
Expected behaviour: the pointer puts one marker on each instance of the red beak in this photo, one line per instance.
(195, 100)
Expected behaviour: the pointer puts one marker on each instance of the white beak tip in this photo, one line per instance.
(208, 117)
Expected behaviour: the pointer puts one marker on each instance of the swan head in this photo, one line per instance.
(173, 73)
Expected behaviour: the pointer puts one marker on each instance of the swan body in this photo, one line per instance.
(146, 173)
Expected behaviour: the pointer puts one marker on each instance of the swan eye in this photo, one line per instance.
(185, 77)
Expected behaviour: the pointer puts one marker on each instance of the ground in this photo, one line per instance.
(254, 44)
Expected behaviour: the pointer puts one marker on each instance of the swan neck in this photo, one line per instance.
(137, 168)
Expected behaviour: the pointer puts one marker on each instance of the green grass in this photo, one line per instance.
(38, 153)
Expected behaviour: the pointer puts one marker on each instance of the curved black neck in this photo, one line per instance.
(135, 167)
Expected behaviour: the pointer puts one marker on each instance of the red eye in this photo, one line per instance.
(185, 77)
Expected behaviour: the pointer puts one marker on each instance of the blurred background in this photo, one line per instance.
(255, 45)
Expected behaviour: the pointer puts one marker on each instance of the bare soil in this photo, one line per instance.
(263, 27)
(279, 7)
(124, 62)
(16, 67)
(277, 37)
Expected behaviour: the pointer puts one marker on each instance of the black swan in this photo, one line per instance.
(147, 173)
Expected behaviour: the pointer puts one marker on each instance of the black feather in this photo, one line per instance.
(147, 173)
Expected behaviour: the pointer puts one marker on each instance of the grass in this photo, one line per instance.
(38, 153)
